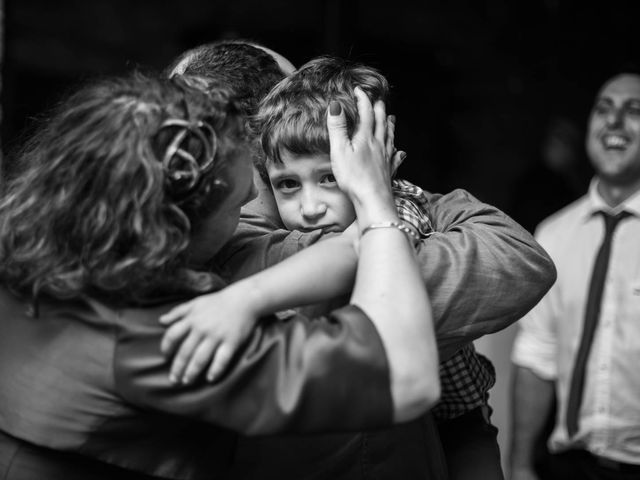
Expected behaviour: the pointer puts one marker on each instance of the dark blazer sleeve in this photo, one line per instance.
(302, 375)
(483, 271)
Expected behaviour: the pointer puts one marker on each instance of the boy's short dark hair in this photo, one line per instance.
(293, 115)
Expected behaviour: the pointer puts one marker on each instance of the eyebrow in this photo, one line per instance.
(279, 176)
(283, 172)
(324, 168)
(609, 99)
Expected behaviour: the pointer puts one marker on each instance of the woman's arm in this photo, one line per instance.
(388, 284)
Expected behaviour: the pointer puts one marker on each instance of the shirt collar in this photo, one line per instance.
(597, 204)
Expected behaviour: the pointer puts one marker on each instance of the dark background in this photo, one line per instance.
(475, 83)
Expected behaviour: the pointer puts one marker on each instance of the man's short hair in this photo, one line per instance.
(245, 68)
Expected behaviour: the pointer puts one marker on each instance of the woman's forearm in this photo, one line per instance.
(390, 289)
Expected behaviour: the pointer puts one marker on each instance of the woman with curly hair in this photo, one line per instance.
(114, 213)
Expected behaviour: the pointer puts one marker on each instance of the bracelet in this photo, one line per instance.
(413, 236)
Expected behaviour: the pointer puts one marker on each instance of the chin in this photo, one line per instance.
(619, 177)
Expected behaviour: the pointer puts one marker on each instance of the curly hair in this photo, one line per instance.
(92, 208)
(293, 115)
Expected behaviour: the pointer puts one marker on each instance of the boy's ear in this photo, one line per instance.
(261, 168)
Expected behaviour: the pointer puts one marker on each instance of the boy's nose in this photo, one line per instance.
(313, 209)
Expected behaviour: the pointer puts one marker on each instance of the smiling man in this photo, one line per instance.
(582, 341)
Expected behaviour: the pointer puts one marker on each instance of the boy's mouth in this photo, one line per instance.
(325, 228)
(331, 229)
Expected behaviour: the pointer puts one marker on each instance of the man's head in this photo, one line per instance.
(613, 138)
(292, 122)
(250, 70)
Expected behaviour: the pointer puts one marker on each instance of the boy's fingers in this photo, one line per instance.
(365, 112)
(220, 362)
(337, 126)
(175, 313)
(397, 160)
(199, 361)
(182, 358)
(391, 135)
(174, 334)
(380, 114)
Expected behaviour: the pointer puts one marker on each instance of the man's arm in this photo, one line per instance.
(482, 270)
(531, 401)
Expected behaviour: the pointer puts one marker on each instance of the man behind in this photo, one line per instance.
(475, 255)
(582, 341)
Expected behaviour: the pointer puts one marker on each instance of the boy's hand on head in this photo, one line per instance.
(205, 333)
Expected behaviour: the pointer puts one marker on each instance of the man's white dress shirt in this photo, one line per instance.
(549, 336)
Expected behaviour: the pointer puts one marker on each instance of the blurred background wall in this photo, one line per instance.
(491, 95)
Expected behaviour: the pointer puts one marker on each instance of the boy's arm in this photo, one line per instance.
(200, 333)
(319, 273)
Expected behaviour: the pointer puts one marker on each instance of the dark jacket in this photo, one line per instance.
(90, 380)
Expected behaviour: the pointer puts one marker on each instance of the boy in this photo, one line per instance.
(295, 142)
(294, 138)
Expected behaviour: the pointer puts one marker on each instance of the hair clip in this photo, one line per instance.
(182, 168)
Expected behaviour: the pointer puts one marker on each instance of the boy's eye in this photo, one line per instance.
(287, 185)
(328, 179)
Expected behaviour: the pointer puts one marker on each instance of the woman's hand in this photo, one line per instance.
(362, 164)
(205, 333)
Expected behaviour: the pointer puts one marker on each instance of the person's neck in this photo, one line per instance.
(613, 194)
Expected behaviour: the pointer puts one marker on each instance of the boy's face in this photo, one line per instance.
(307, 194)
